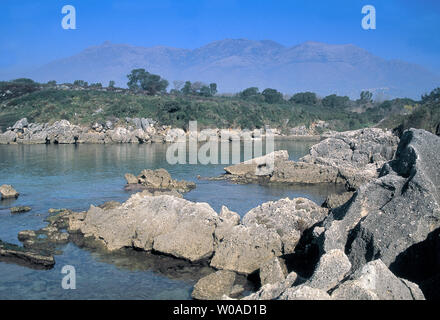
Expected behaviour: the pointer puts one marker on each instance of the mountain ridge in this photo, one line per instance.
(236, 64)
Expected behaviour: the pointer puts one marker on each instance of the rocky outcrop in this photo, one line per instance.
(8, 192)
(13, 253)
(20, 209)
(157, 180)
(352, 158)
(383, 242)
(214, 286)
(166, 224)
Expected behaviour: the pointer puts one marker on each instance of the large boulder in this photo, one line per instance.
(260, 166)
(375, 281)
(167, 224)
(287, 217)
(245, 248)
(159, 179)
(214, 286)
(8, 192)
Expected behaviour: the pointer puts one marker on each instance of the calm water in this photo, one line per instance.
(74, 177)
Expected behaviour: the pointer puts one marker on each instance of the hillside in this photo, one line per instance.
(43, 103)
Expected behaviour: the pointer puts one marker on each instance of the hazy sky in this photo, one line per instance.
(31, 32)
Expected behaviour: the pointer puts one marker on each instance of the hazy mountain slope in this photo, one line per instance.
(240, 63)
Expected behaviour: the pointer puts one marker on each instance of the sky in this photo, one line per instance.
(31, 33)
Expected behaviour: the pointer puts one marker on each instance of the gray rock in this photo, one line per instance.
(304, 292)
(336, 200)
(260, 166)
(158, 180)
(8, 192)
(273, 271)
(167, 224)
(332, 268)
(20, 209)
(272, 291)
(289, 218)
(20, 124)
(244, 249)
(394, 212)
(375, 281)
(8, 137)
(214, 286)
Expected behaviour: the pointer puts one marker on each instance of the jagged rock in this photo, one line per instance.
(63, 132)
(304, 292)
(336, 200)
(214, 286)
(289, 218)
(244, 249)
(8, 137)
(394, 212)
(20, 124)
(273, 271)
(271, 291)
(21, 209)
(8, 192)
(260, 166)
(166, 224)
(228, 220)
(332, 268)
(14, 253)
(175, 135)
(131, 178)
(158, 180)
(375, 281)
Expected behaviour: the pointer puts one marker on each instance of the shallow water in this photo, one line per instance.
(74, 177)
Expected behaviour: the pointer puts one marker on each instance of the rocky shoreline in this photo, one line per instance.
(378, 242)
(129, 130)
(350, 158)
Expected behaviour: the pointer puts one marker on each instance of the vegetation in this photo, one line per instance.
(146, 97)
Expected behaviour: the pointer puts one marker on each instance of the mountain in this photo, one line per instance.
(235, 64)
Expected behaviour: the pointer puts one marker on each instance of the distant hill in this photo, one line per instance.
(236, 64)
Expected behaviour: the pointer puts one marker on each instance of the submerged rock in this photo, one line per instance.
(21, 209)
(8, 192)
(13, 253)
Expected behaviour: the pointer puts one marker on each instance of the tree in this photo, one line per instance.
(111, 84)
(213, 88)
(307, 98)
(187, 88)
(249, 92)
(52, 83)
(333, 100)
(80, 83)
(366, 97)
(141, 80)
(272, 96)
(205, 91)
(434, 96)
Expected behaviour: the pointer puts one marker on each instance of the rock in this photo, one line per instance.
(20, 124)
(20, 255)
(131, 178)
(260, 166)
(271, 291)
(332, 268)
(336, 200)
(273, 271)
(228, 220)
(244, 249)
(63, 132)
(8, 192)
(214, 286)
(289, 218)
(166, 224)
(158, 180)
(304, 292)
(175, 135)
(8, 137)
(21, 209)
(26, 235)
(394, 212)
(375, 281)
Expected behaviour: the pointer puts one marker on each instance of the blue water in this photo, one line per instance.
(74, 177)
